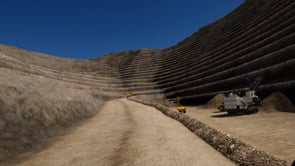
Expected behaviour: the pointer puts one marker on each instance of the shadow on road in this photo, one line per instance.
(226, 115)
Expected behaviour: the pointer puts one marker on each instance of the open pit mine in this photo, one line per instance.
(56, 111)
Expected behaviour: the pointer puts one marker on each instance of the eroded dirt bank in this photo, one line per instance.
(34, 107)
(128, 133)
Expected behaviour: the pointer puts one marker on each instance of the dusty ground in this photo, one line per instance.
(272, 132)
(128, 133)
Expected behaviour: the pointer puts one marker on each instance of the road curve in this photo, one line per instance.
(127, 133)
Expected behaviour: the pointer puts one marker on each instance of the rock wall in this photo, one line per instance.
(255, 40)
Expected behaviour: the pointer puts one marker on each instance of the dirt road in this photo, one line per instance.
(128, 133)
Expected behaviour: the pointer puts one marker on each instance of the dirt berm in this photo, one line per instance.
(277, 102)
(233, 148)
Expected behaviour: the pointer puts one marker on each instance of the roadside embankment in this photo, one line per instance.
(233, 148)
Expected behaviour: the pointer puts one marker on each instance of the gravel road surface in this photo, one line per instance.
(128, 133)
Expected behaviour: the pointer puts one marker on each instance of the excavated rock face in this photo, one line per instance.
(255, 40)
(39, 92)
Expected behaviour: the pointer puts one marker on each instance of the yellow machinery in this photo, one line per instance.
(128, 94)
(180, 107)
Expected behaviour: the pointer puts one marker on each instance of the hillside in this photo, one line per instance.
(41, 95)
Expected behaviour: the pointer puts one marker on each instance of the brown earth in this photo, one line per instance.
(128, 133)
(272, 132)
(277, 102)
(215, 101)
(34, 107)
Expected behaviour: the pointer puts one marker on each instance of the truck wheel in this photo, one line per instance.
(251, 109)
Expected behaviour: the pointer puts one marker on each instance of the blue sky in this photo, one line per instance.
(84, 29)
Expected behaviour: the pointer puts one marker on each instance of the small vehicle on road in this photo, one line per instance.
(180, 107)
(128, 94)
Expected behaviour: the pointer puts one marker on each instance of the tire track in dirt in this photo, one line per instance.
(120, 156)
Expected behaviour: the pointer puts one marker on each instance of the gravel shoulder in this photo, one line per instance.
(128, 133)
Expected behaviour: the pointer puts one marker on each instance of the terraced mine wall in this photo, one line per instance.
(40, 93)
(255, 40)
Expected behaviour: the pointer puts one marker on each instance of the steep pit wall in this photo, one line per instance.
(255, 40)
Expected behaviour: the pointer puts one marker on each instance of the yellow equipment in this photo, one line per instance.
(128, 94)
(180, 107)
